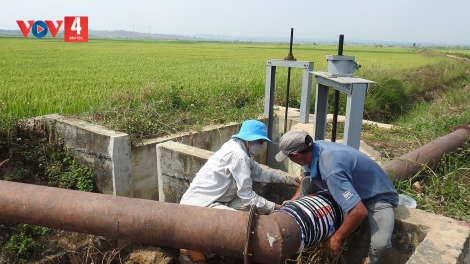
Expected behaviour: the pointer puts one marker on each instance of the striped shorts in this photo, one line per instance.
(317, 215)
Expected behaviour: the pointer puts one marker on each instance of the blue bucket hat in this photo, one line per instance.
(252, 130)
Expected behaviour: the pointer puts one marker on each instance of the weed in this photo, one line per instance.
(318, 255)
(387, 100)
(24, 242)
(16, 175)
(28, 156)
(68, 174)
(443, 189)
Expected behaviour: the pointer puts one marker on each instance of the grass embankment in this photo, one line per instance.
(439, 104)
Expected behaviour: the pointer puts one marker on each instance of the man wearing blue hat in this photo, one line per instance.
(225, 181)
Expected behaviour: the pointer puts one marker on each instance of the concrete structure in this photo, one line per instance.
(161, 169)
(107, 152)
(122, 169)
(185, 163)
(444, 240)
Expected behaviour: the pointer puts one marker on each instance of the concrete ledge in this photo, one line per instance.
(446, 240)
(123, 169)
(294, 114)
(144, 155)
(418, 237)
(178, 164)
(107, 152)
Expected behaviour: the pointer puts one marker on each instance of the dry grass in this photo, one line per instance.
(317, 255)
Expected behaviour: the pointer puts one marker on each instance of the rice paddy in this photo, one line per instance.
(43, 76)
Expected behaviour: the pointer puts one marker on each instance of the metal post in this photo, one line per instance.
(321, 111)
(306, 93)
(289, 57)
(336, 102)
(269, 96)
(354, 114)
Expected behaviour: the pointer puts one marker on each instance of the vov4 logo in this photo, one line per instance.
(39, 27)
(75, 28)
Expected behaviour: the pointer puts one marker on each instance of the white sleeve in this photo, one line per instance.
(259, 174)
(242, 172)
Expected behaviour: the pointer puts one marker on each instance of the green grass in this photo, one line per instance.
(444, 189)
(446, 185)
(126, 85)
(51, 76)
(461, 52)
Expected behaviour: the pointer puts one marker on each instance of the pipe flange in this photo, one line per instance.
(246, 254)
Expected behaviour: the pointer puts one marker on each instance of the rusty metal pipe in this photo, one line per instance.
(430, 154)
(273, 238)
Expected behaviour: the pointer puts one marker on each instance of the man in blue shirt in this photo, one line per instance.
(355, 181)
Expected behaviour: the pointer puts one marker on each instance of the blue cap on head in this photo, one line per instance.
(252, 130)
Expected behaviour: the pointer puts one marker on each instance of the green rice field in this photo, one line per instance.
(46, 76)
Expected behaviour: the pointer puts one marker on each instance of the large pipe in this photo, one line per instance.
(428, 155)
(274, 237)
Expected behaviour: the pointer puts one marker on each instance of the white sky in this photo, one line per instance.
(420, 21)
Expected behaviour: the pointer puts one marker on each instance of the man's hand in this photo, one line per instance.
(286, 201)
(332, 246)
(292, 181)
(352, 221)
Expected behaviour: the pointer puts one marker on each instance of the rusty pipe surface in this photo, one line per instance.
(273, 237)
(430, 154)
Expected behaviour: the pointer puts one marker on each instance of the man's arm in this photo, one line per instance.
(296, 194)
(259, 174)
(352, 221)
(241, 173)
